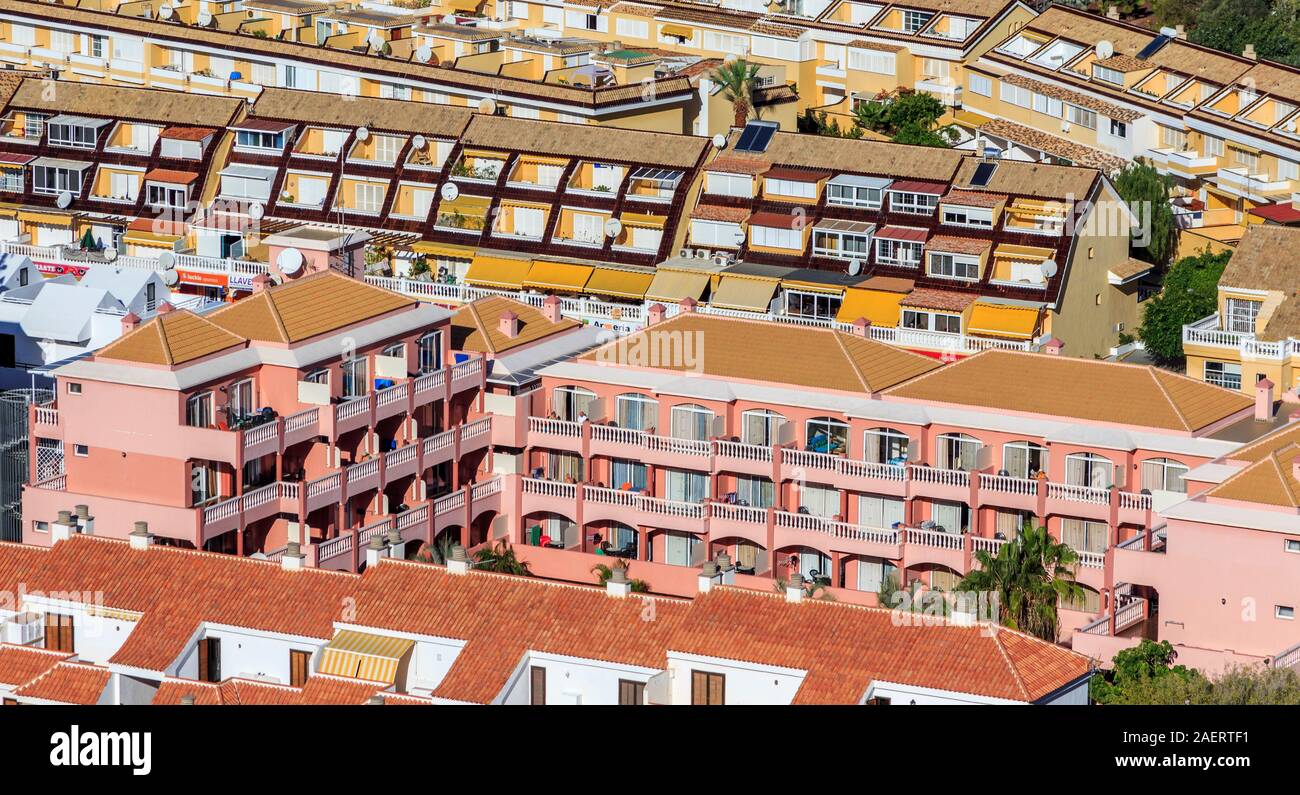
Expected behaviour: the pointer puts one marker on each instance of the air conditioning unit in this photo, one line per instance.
(721, 260)
(684, 253)
(702, 253)
(24, 629)
(1065, 126)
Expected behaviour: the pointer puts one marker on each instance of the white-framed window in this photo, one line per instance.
(165, 196)
(258, 139)
(957, 451)
(1291, 545)
(75, 135)
(755, 492)
(924, 320)
(914, 203)
(915, 20)
(1048, 106)
(980, 217)
(1113, 76)
(1244, 159)
(62, 41)
(715, 233)
(74, 388)
(854, 196)
(1089, 469)
(1287, 169)
(1085, 536)
(774, 237)
(761, 427)
(1284, 612)
(690, 421)
(428, 351)
(1024, 459)
(355, 377)
(979, 84)
(368, 196)
(239, 399)
(874, 511)
(723, 184)
(886, 446)
(1242, 314)
(55, 179)
(821, 306)
(716, 41)
(790, 188)
(1213, 146)
(1081, 116)
(632, 28)
(198, 410)
(23, 35)
(954, 266)
(633, 474)
(1118, 128)
(205, 484)
(950, 517)
(898, 252)
(386, 148)
(1164, 474)
(875, 61)
(827, 435)
(819, 500)
(572, 402)
(1013, 94)
(683, 486)
(1224, 374)
(81, 450)
(635, 411)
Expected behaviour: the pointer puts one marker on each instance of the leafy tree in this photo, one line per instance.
(1175, 12)
(1146, 674)
(1229, 25)
(738, 80)
(1146, 192)
(438, 552)
(1029, 576)
(501, 558)
(815, 122)
(1190, 293)
(910, 117)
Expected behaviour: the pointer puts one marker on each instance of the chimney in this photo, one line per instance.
(794, 588)
(687, 304)
(292, 558)
(165, 307)
(1264, 400)
(1249, 53)
(1180, 32)
(396, 546)
(979, 147)
(141, 538)
(618, 583)
(1053, 346)
(726, 571)
(708, 573)
(655, 314)
(187, 700)
(260, 282)
(508, 324)
(85, 522)
(129, 321)
(1112, 12)
(551, 308)
(63, 527)
(459, 562)
(375, 550)
(375, 700)
(862, 327)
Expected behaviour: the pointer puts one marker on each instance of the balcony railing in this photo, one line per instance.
(59, 255)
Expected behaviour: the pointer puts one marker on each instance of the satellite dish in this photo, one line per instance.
(204, 18)
(424, 53)
(740, 237)
(64, 201)
(256, 211)
(110, 254)
(170, 278)
(363, 133)
(449, 19)
(375, 40)
(289, 262)
(1104, 50)
(719, 141)
(487, 105)
(450, 191)
(613, 226)
(1048, 268)
(855, 267)
(419, 142)
(165, 12)
(167, 260)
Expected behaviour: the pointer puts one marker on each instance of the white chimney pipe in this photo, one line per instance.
(459, 561)
(140, 537)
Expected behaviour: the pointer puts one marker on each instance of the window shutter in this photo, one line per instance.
(538, 686)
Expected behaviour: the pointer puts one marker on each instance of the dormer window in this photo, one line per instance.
(915, 20)
(1108, 75)
(264, 135)
(913, 198)
(1241, 314)
(74, 131)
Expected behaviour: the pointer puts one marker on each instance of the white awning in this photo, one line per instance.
(860, 181)
(55, 162)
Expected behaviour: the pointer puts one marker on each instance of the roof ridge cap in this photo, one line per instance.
(482, 330)
(1011, 666)
(1178, 412)
(162, 339)
(274, 309)
(853, 363)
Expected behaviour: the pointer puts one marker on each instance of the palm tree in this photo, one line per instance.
(500, 558)
(438, 552)
(738, 80)
(1030, 575)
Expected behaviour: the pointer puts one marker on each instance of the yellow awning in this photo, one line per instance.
(356, 655)
(558, 276)
(621, 284)
(500, 272)
(642, 220)
(739, 292)
(811, 287)
(443, 249)
(677, 30)
(150, 239)
(48, 219)
(878, 306)
(463, 5)
(673, 286)
(970, 119)
(1003, 320)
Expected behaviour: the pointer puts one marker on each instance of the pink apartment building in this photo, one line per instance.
(308, 413)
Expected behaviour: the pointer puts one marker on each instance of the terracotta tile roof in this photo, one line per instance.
(932, 298)
(321, 689)
(1130, 267)
(1124, 63)
(142, 104)
(1054, 145)
(634, 9)
(476, 326)
(174, 338)
(739, 164)
(1049, 386)
(956, 244)
(863, 44)
(68, 683)
(717, 212)
(1108, 109)
(504, 617)
(779, 220)
(795, 355)
(765, 27)
(171, 175)
(972, 198)
(1264, 260)
(1267, 445)
(1268, 481)
(21, 664)
(585, 141)
(16, 562)
(187, 133)
(763, 628)
(313, 305)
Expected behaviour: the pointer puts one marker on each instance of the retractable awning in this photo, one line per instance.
(558, 276)
(620, 284)
(442, 249)
(499, 272)
(740, 292)
(878, 306)
(1003, 320)
(356, 655)
(673, 286)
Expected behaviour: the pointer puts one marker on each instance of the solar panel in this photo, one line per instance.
(983, 173)
(755, 137)
(1154, 46)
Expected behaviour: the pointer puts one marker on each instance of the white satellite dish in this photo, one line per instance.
(204, 18)
(167, 260)
(170, 278)
(289, 261)
(487, 105)
(375, 40)
(1104, 50)
(256, 211)
(363, 133)
(719, 141)
(424, 53)
(613, 227)
(1048, 268)
(419, 142)
(64, 201)
(165, 12)
(855, 267)
(740, 237)
(110, 254)
(450, 191)
(449, 19)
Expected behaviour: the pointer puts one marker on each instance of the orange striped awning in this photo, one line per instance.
(357, 655)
